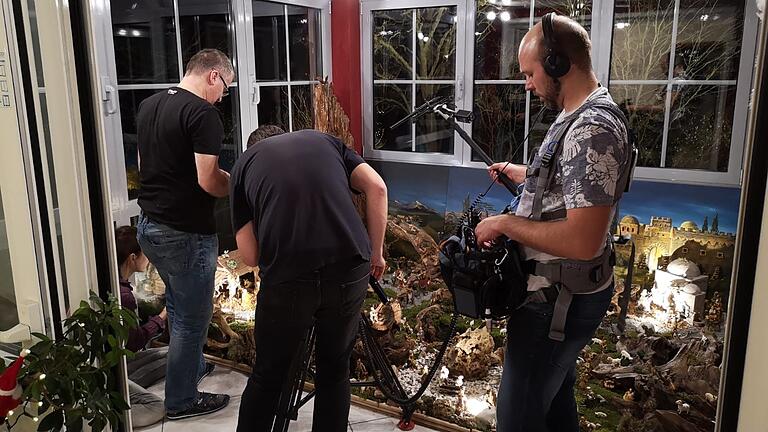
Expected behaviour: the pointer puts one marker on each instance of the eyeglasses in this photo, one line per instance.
(225, 93)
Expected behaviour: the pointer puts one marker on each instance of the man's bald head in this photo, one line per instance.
(572, 41)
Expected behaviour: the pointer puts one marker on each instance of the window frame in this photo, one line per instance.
(601, 34)
(124, 208)
(367, 7)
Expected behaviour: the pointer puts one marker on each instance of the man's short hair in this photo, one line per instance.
(572, 41)
(126, 243)
(210, 59)
(263, 132)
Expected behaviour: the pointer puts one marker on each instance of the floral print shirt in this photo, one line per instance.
(594, 155)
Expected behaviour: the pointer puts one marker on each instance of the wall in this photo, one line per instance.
(345, 49)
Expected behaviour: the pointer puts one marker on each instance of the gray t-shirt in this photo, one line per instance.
(595, 152)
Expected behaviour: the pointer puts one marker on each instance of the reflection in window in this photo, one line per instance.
(305, 44)
(413, 45)
(391, 103)
(302, 110)
(499, 125)
(144, 37)
(206, 27)
(269, 41)
(273, 107)
(697, 117)
(392, 44)
(644, 106)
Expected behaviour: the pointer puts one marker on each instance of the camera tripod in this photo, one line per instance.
(384, 375)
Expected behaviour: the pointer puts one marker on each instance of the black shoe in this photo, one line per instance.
(206, 403)
(209, 367)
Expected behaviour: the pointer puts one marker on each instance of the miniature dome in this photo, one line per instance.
(629, 220)
(691, 288)
(684, 268)
(689, 226)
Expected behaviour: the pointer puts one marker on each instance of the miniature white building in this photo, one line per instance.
(681, 289)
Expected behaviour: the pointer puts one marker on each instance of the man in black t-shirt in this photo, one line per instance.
(180, 134)
(293, 215)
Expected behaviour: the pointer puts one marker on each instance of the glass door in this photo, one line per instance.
(20, 293)
(287, 47)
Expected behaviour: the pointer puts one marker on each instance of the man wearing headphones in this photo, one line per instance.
(562, 223)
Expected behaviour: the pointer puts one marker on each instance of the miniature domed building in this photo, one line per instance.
(629, 220)
(629, 225)
(689, 226)
(684, 268)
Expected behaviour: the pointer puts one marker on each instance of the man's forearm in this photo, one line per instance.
(376, 218)
(220, 185)
(557, 238)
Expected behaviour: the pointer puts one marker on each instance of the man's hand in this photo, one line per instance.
(378, 265)
(489, 229)
(515, 172)
(163, 314)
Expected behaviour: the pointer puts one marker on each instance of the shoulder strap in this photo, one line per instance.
(545, 171)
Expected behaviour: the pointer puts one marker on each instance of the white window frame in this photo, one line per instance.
(460, 88)
(601, 34)
(123, 209)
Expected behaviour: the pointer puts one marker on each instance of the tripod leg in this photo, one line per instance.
(288, 404)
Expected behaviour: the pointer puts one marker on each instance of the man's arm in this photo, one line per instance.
(247, 245)
(365, 179)
(578, 237)
(213, 180)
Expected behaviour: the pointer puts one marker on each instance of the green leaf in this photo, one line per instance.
(75, 422)
(41, 336)
(41, 348)
(118, 401)
(52, 422)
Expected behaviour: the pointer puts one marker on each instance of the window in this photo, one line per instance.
(720, 255)
(414, 59)
(288, 60)
(674, 71)
(703, 252)
(684, 250)
(685, 91)
(149, 39)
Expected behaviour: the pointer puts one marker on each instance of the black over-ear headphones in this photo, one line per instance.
(555, 64)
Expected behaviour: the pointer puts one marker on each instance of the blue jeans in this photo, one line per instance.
(536, 390)
(187, 264)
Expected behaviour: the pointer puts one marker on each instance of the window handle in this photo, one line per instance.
(108, 96)
(255, 93)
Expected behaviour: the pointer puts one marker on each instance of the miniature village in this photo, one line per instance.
(653, 365)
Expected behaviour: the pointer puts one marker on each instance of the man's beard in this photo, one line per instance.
(551, 96)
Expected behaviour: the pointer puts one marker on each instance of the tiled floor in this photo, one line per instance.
(232, 382)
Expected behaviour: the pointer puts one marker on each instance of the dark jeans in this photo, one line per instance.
(536, 390)
(148, 367)
(330, 299)
(187, 264)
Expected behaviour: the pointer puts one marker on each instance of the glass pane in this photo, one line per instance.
(709, 39)
(129, 105)
(644, 105)
(392, 44)
(269, 41)
(579, 10)
(230, 116)
(436, 43)
(700, 127)
(391, 102)
(205, 25)
(145, 42)
(9, 315)
(273, 108)
(642, 38)
(499, 125)
(433, 133)
(301, 104)
(498, 32)
(305, 43)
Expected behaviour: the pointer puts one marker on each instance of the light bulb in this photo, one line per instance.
(35, 419)
(505, 16)
(491, 15)
(10, 413)
(42, 376)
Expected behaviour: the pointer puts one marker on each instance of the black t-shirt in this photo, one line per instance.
(295, 188)
(172, 126)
